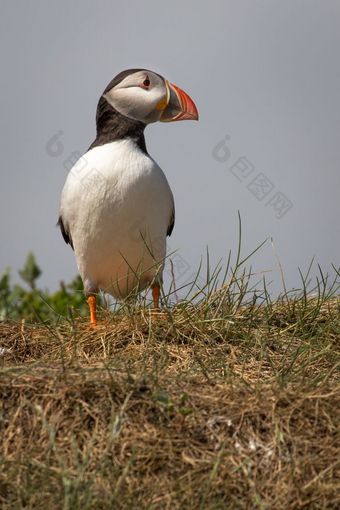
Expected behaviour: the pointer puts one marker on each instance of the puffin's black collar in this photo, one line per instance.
(112, 125)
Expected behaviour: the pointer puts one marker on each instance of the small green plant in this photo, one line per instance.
(34, 304)
(31, 271)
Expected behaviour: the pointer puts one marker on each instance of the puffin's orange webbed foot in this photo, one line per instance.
(156, 312)
(155, 296)
(91, 301)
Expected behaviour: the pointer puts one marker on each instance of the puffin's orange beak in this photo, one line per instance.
(178, 105)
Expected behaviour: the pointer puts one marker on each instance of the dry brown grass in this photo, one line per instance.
(200, 408)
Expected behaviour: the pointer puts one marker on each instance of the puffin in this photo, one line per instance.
(116, 207)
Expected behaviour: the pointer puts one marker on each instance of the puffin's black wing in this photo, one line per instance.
(66, 235)
(172, 222)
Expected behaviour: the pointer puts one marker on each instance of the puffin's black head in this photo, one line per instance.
(135, 98)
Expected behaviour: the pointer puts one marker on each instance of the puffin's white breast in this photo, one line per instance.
(117, 204)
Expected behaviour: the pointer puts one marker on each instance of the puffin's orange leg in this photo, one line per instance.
(155, 296)
(91, 301)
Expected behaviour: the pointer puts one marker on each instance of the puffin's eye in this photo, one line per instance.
(146, 82)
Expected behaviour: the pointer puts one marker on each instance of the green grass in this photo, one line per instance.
(225, 400)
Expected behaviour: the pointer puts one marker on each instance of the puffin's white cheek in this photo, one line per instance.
(136, 103)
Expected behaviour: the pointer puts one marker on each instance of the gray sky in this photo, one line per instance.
(265, 73)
